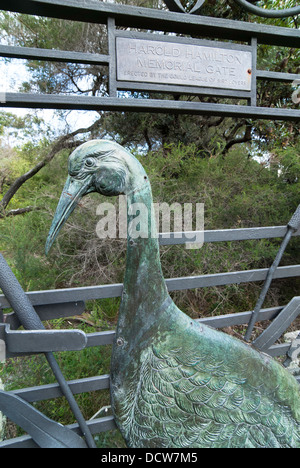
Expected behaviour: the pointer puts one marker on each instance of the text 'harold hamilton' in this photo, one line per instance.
(183, 64)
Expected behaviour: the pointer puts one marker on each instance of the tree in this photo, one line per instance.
(65, 141)
(210, 134)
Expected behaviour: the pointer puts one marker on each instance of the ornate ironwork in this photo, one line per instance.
(284, 13)
(176, 5)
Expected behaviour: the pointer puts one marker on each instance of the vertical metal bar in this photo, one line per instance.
(253, 98)
(278, 326)
(267, 284)
(31, 321)
(292, 227)
(111, 28)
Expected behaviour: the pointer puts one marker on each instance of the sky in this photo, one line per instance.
(12, 74)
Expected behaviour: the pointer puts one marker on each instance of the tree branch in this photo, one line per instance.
(2, 182)
(19, 211)
(215, 122)
(62, 143)
(231, 141)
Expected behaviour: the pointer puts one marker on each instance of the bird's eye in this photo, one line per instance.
(89, 162)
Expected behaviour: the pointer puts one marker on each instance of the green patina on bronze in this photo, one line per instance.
(176, 383)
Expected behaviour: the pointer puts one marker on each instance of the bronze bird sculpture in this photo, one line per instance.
(176, 383)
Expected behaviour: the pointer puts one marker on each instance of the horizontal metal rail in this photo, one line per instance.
(173, 284)
(47, 312)
(31, 53)
(95, 425)
(58, 299)
(45, 392)
(98, 383)
(70, 302)
(48, 101)
(148, 18)
(224, 235)
(115, 16)
(276, 76)
(50, 391)
(184, 90)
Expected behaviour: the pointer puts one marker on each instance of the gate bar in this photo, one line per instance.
(149, 18)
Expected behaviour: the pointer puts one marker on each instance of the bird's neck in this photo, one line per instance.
(144, 285)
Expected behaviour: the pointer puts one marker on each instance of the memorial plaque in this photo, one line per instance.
(149, 61)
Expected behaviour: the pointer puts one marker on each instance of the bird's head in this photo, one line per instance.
(96, 166)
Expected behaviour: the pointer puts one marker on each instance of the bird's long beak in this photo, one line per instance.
(73, 191)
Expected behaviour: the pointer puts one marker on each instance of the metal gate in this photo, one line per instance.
(157, 64)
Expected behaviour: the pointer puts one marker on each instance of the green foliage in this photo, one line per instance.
(288, 163)
(148, 130)
(257, 195)
(22, 128)
(186, 163)
(237, 191)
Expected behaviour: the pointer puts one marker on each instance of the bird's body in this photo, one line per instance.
(177, 383)
(192, 386)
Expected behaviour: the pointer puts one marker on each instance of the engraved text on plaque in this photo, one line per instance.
(152, 61)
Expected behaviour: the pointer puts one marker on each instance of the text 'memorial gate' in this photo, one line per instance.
(179, 54)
